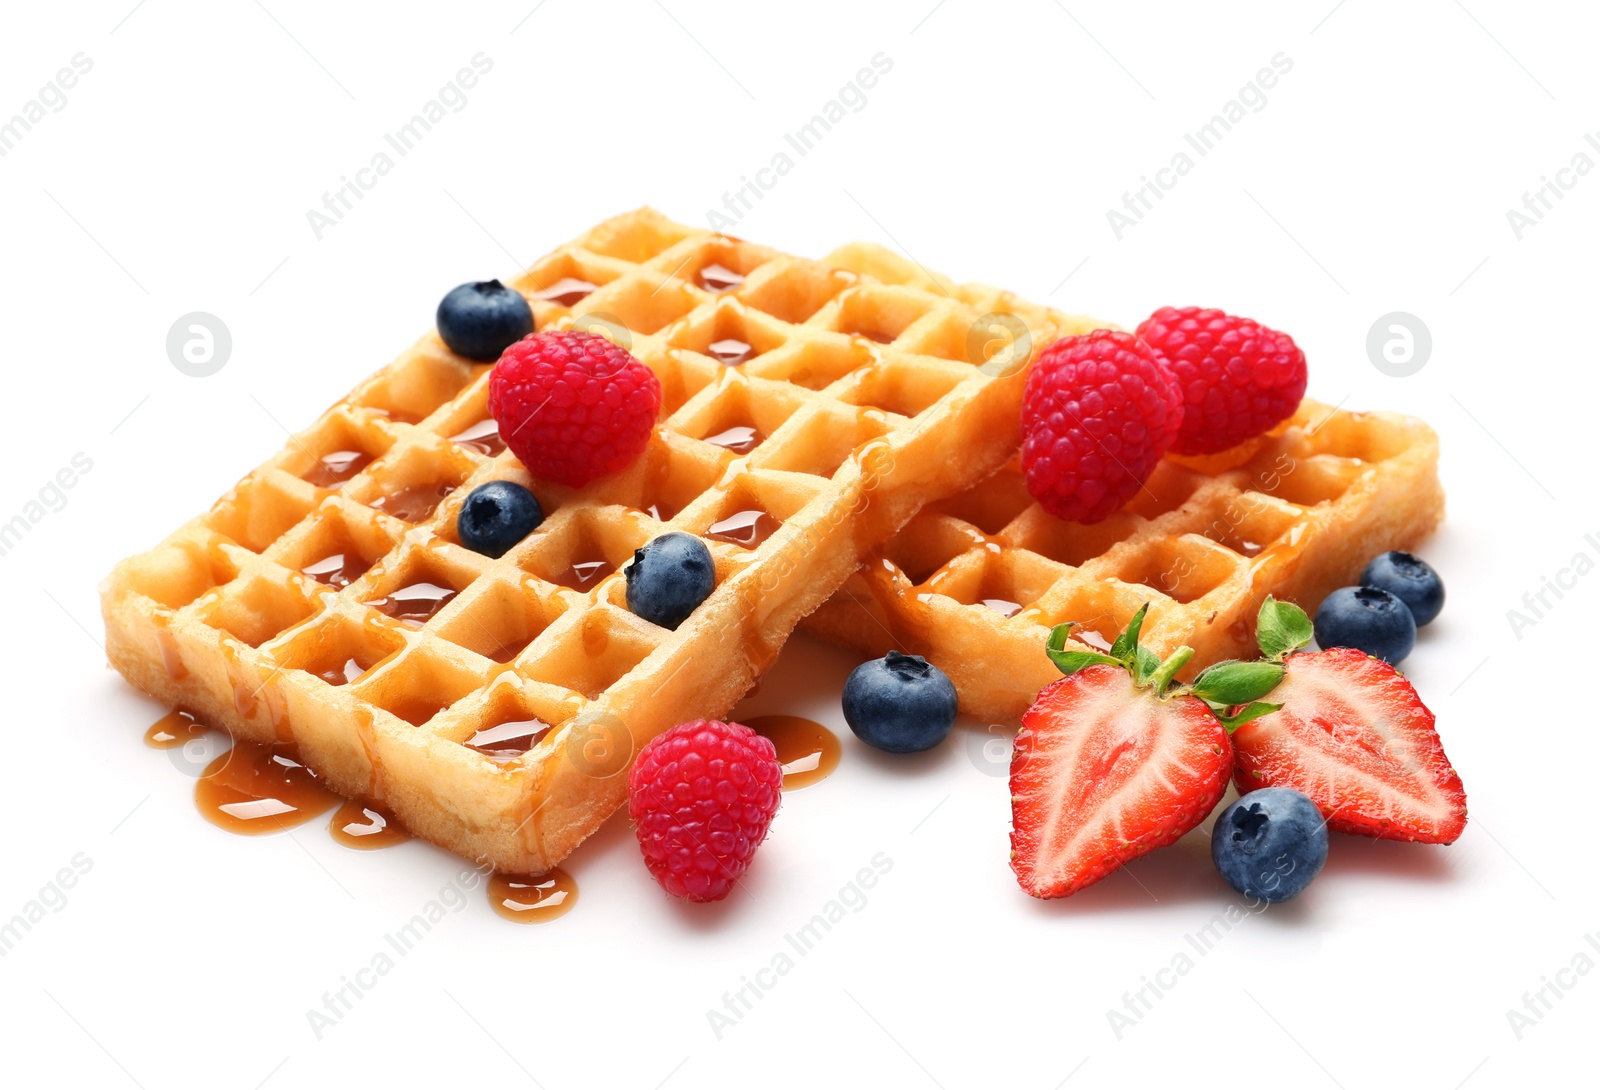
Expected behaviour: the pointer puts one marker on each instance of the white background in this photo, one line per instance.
(1376, 178)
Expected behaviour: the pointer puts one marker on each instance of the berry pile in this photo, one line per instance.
(1101, 409)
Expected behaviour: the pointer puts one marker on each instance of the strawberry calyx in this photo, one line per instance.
(1224, 687)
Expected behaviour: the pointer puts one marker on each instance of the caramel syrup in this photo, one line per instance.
(483, 437)
(414, 502)
(718, 279)
(746, 529)
(173, 730)
(366, 826)
(337, 467)
(337, 570)
(533, 900)
(342, 674)
(508, 741)
(584, 574)
(730, 351)
(566, 292)
(874, 336)
(415, 603)
(254, 789)
(807, 750)
(741, 440)
(1003, 606)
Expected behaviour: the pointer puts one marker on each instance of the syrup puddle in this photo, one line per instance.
(807, 750)
(366, 826)
(254, 789)
(173, 730)
(533, 900)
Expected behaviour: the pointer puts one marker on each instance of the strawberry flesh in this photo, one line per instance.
(1354, 737)
(1103, 772)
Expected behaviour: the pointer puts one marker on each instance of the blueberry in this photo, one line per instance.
(669, 577)
(1270, 843)
(479, 320)
(900, 703)
(1368, 619)
(1409, 579)
(496, 515)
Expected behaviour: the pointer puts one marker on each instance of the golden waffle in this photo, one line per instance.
(975, 582)
(858, 401)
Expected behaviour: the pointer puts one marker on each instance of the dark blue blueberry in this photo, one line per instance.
(479, 320)
(1270, 843)
(900, 703)
(1367, 619)
(1409, 579)
(669, 577)
(497, 515)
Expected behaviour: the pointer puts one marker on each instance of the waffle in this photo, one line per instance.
(975, 583)
(325, 602)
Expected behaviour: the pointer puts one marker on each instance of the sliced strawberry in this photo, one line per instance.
(1352, 735)
(1104, 770)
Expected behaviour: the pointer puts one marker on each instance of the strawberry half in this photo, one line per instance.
(1108, 766)
(1351, 734)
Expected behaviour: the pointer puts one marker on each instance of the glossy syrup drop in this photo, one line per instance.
(483, 438)
(746, 529)
(566, 292)
(508, 741)
(533, 900)
(366, 826)
(717, 278)
(337, 570)
(173, 730)
(414, 603)
(337, 466)
(414, 502)
(1003, 606)
(741, 440)
(583, 574)
(254, 789)
(730, 351)
(807, 750)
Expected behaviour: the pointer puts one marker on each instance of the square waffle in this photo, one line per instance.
(976, 582)
(325, 602)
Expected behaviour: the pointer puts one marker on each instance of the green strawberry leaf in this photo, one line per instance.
(1145, 663)
(1127, 643)
(1281, 627)
(1233, 683)
(1163, 674)
(1070, 662)
(1245, 714)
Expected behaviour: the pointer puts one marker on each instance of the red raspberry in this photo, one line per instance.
(573, 406)
(1239, 378)
(702, 796)
(1098, 412)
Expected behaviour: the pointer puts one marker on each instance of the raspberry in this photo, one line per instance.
(702, 796)
(1239, 378)
(1098, 412)
(573, 406)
